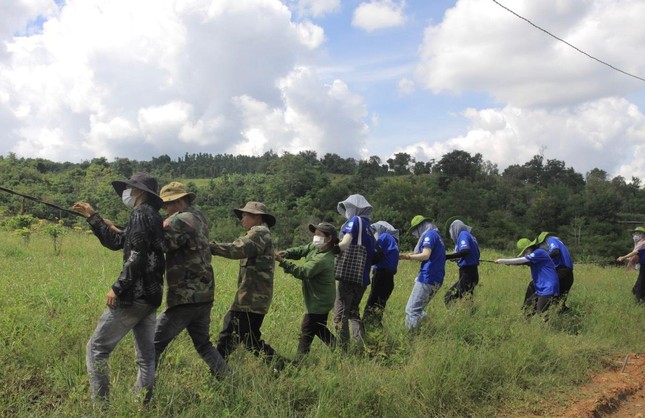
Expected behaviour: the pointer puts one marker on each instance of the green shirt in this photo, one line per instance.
(317, 275)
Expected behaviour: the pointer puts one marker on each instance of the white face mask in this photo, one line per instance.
(637, 237)
(318, 241)
(127, 198)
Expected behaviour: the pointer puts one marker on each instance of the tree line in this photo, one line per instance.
(592, 213)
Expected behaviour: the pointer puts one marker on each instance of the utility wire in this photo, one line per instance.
(567, 43)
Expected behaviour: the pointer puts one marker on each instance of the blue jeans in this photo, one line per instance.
(113, 325)
(421, 295)
(196, 320)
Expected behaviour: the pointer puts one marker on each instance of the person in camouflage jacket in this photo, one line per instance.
(189, 277)
(133, 299)
(254, 284)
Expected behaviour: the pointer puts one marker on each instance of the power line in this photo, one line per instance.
(567, 43)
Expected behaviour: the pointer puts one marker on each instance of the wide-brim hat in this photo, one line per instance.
(524, 243)
(324, 227)
(416, 221)
(142, 181)
(175, 191)
(449, 221)
(256, 208)
(639, 229)
(540, 239)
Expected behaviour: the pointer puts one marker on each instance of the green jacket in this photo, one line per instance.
(189, 273)
(255, 279)
(317, 275)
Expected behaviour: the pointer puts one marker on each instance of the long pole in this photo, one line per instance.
(35, 199)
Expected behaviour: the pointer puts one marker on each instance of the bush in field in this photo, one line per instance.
(19, 222)
(25, 233)
(56, 232)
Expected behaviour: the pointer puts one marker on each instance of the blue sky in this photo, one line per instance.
(87, 78)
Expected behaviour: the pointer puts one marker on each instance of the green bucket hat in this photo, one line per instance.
(449, 221)
(524, 243)
(416, 221)
(540, 239)
(639, 229)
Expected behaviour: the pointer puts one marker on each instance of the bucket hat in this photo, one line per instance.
(416, 221)
(326, 228)
(175, 191)
(524, 243)
(639, 229)
(540, 239)
(256, 208)
(142, 181)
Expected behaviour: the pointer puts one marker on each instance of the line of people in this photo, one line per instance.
(337, 269)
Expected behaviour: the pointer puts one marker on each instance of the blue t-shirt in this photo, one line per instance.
(641, 256)
(543, 273)
(433, 270)
(351, 227)
(466, 241)
(564, 258)
(390, 249)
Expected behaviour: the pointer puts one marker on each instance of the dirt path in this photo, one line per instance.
(616, 393)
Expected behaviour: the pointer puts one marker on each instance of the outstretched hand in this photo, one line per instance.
(84, 209)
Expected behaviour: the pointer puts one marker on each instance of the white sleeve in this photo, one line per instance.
(520, 260)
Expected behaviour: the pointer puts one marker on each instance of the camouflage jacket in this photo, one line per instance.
(255, 279)
(189, 273)
(143, 254)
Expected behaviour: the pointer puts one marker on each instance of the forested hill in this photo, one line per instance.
(592, 213)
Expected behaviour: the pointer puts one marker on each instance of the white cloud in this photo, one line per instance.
(123, 79)
(379, 14)
(405, 87)
(316, 8)
(481, 47)
(314, 117)
(606, 134)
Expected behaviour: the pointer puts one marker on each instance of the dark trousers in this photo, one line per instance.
(535, 304)
(468, 279)
(196, 320)
(565, 279)
(380, 292)
(347, 310)
(639, 287)
(314, 325)
(244, 327)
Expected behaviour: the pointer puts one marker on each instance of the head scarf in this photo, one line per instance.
(382, 227)
(456, 227)
(355, 205)
(420, 230)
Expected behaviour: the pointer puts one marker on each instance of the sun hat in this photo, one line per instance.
(540, 239)
(142, 181)
(639, 229)
(449, 221)
(256, 208)
(524, 243)
(416, 221)
(175, 191)
(324, 227)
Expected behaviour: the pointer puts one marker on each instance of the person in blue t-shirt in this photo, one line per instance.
(358, 211)
(543, 275)
(467, 256)
(636, 260)
(559, 253)
(431, 252)
(386, 262)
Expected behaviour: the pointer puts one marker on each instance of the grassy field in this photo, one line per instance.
(465, 361)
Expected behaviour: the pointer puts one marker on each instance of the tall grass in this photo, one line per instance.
(478, 359)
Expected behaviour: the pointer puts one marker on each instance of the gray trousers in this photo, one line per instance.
(347, 310)
(113, 325)
(195, 318)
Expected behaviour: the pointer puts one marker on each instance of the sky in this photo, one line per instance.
(81, 79)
